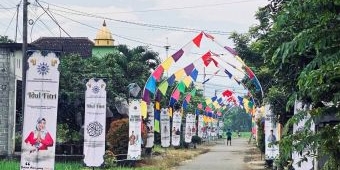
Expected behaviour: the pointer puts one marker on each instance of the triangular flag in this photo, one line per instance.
(151, 85)
(193, 92)
(171, 80)
(209, 36)
(208, 101)
(175, 94)
(177, 55)
(167, 63)
(213, 98)
(146, 96)
(227, 93)
(187, 80)
(163, 87)
(144, 108)
(181, 87)
(232, 51)
(194, 74)
(197, 39)
(206, 58)
(188, 69)
(179, 74)
(158, 72)
(250, 73)
(228, 73)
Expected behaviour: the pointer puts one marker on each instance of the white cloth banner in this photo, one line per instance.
(150, 124)
(165, 128)
(94, 123)
(297, 127)
(176, 128)
(41, 107)
(135, 126)
(271, 150)
(190, 128)
(200, 126)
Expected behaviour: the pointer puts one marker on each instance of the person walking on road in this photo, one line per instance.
(229, 137)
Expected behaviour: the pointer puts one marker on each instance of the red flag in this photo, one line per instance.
(227, 93)
(250, 73)
(209, 36)
(197, 39)
(207, 59)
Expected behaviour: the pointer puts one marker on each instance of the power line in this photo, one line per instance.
(10, 23)
(55, 21)
(165, 27)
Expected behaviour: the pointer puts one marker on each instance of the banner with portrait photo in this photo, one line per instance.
(165, 128)
(135, 126)
(200, 126)
(190, 128)
(40, 112)
(94, 123)
(150, 126)
(271, 135)
(176, 128)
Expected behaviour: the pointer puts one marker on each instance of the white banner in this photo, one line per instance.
(94, 123)
(190, 128)
(308, 164)
(271, 135)
(135, 126)
(200, 126)
(41, 106)
(150, 126)
(176, 128)
(165, 128)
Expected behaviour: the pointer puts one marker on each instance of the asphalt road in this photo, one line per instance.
(220, 157)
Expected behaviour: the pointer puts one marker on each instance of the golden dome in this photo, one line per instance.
(104, 37)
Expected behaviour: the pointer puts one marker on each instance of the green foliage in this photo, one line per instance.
(299, 42)
(5, 39)
(260, 136)
(237, 119)
(118, 136)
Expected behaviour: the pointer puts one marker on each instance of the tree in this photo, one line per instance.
(5, 39)
(299, 42)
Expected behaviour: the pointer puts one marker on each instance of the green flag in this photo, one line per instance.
(181, 87)
(163, 87)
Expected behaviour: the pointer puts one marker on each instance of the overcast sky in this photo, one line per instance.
(175, 21)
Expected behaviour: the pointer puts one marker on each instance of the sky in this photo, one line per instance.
(155, 23)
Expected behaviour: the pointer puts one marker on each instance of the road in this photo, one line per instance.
(220, 157)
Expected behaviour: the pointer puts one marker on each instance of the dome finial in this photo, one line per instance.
(104, 24)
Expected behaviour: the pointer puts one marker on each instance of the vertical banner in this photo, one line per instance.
(135, 126)
(220, 128)
(150, 126)
(271, 135)
(176, 128)
(200, 126)
(190, 128)
(296, 157)
(165, 128)
(94, 123)
(40, 119)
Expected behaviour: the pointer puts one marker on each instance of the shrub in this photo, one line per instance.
(118, 136)
(196, 139)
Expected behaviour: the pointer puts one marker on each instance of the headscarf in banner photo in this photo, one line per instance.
(176, 128)
(135, 126)
(40, 119)
(165, 128)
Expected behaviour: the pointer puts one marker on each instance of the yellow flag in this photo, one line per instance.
(187, 80)
(208, 101)
(167, 63)
(157, 106)
(179, 74)
(143, 109)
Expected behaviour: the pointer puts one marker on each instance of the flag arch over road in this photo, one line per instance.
(188, 74)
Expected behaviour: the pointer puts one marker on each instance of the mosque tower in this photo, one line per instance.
(103, 43)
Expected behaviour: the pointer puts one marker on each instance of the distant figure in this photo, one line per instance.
(229, 137)
(271, 138)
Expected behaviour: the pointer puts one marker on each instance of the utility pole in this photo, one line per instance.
(24, 49)
(16, 26)
(167, 46)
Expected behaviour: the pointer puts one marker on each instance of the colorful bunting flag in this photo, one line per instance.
(188, 69)
(151, 85)
(144, 109)
(194, 74)
(197, 39)
(200, 106)
(167, 63)
(178, 55)
(228, 73)
(157, 114)
(227, 93)
(232, 51)
(146, 96)
(179, 74)
(250, 73)
(187, 80)
(176, 94)
(193, 92)
(157, 74)
(163, 87)
(171, 80)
